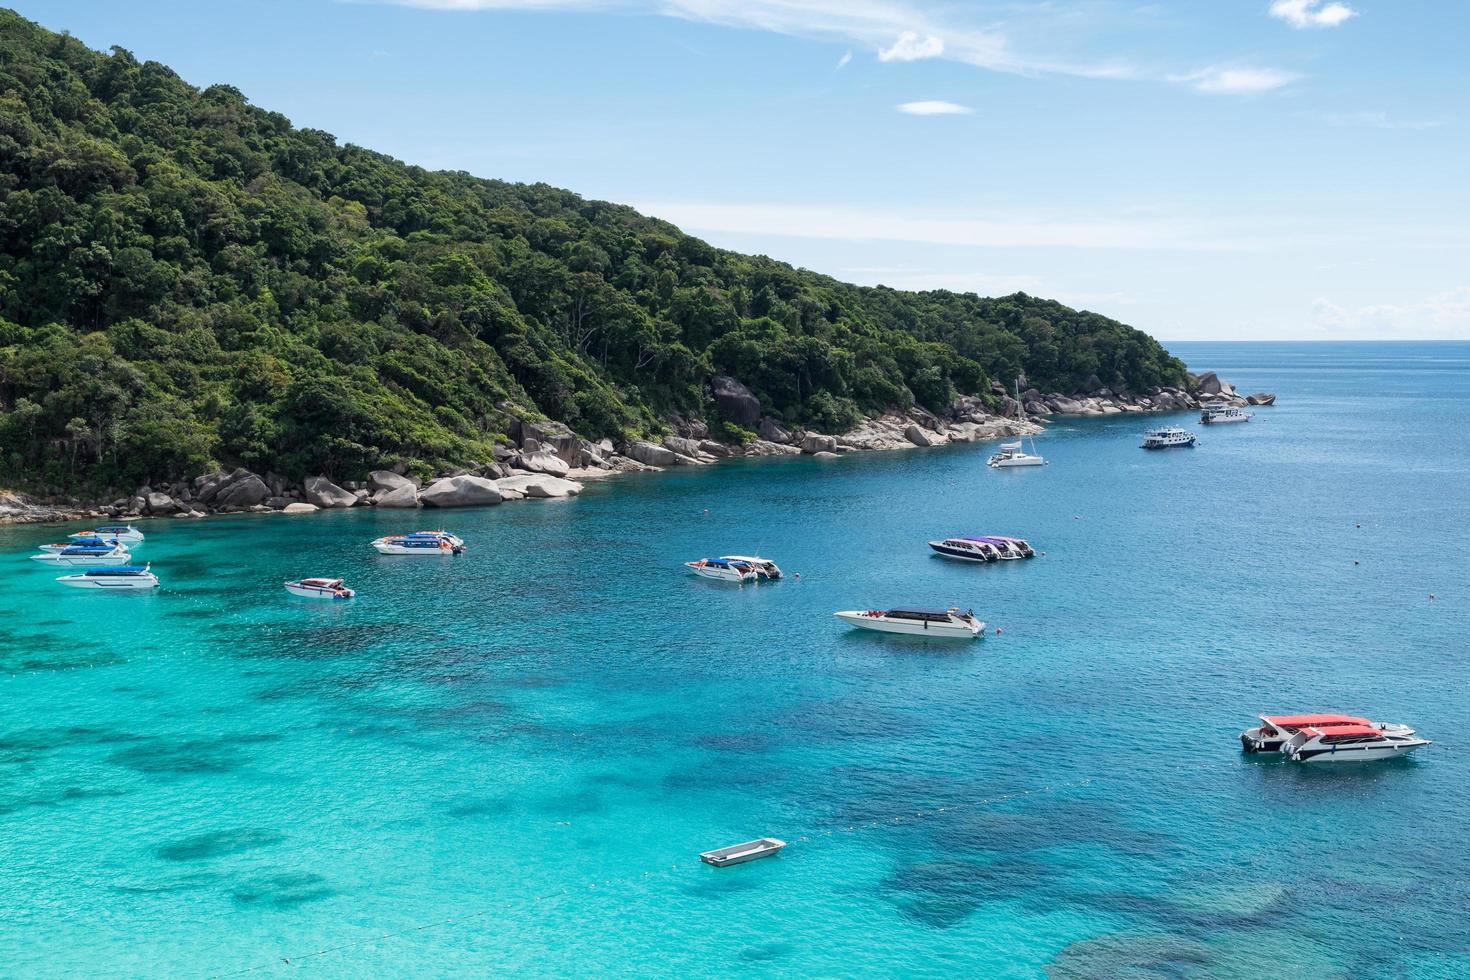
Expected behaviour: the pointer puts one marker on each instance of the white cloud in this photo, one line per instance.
(864, 224)
(911, 46)
(1442, 316)
(1379, 120)
(1237, 81)
(1311, 13)
(934, 107)
(844, 61)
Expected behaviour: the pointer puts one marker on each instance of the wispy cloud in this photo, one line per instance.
(1444, 315)
(1372, 119)
(934, 107)
(864, 224)
(1218, 80)
(1311, 13)
(912, 46)
(844, 61)
(896, 31)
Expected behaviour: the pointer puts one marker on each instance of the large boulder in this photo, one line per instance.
(400, 496)
(542, 462)
(209, 487)
(1261, 398)
(159, 503)
(299, 508)
(682, 446)
(712, 448)
(917, 436)
(245, 492)
(771, 431)
(1209, 384)
(735, 401)
(380, 480)
(539, 485)
(649, 454)
(325, 493)
(551, 437)
(460, 491)
(814, 442)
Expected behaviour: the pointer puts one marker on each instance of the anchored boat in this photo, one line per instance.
(1167, 437)
(740, 853)
(1350, 743)
(320, 588)
(420, 543)
(735, 568)
(1011, 453)
(85, 557)
(950, 624)
(1215, 414)
(122, 532)
(120, 578)
(1275, 731)
(92, 542)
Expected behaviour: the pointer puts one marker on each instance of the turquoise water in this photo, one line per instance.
(509, 761)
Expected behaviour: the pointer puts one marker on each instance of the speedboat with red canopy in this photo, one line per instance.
(1350, 743)
(1276, 730)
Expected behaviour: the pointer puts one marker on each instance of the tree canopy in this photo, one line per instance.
(186, 281)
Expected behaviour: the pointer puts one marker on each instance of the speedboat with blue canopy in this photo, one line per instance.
(117, 579)
(122, 532)
(91, 542)
(82, 557)
(941, 624)
(420, 543)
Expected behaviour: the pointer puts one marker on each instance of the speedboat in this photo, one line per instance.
(1016, 545)
(1276, 730)
(967, 549)
(420, 543)
(765, 569)
(79, 557)
(950, 624)
(723, 570)
(92, 542)
(122, 532)
(117, 578)
(1215, 413)
(1167, 437)
(320, 588)
(1350, 743)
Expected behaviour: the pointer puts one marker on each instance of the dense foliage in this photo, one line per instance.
(186, 280)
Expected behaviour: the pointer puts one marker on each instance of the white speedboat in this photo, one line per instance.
(765, 569)
(1017, 546)
(723, 570)
(84, 557)
(1216, 414)
(320, 588)
(122, 532)
(119, 578)
(1012, 453)
(1275, 731)
(1167, 437)
(92, 542)
(967, 549)
(937, 623)
(1350, 743)
(420, 543)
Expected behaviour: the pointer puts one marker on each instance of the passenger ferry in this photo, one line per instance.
(120, 578)
(943, 624)
(1350, 743)
(1217, 414)
(1168, 437)
(1274, 731)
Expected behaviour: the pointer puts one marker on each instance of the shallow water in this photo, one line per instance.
(510, 760)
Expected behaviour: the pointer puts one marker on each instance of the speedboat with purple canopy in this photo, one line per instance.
(967, 549)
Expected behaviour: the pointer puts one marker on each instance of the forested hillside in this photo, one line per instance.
(188, 281)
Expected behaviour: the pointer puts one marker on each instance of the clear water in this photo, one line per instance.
(510, 760)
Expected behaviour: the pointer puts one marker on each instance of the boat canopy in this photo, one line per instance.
(326, 583)
(105, 549)
(1316, 721)
(726, 562)
(919, 612)
(1337, 731)
(118, 570)
(114, 528)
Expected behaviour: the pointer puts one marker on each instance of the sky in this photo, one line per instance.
(1201, 169)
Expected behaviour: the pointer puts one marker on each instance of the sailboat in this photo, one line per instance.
(1012, 453)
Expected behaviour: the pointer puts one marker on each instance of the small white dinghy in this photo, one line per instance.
(320, 588)
(740, 853)
(941, 624)
(115, 579)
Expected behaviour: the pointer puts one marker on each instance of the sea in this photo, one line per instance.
(508, 762)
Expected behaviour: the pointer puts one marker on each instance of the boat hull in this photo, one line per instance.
(383, 548)
(1014, 462)
(315, 592)
(722, 574)
(961, 555)
(1188, 444)
(1348, 754)
(937, 631)
(119, 584)
(82, 561)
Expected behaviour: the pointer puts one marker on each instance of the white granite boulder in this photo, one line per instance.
(325, 493)
(460, 491)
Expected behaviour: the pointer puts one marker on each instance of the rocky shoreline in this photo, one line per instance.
(547, 460)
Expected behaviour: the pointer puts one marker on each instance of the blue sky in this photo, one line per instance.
(1203, 169)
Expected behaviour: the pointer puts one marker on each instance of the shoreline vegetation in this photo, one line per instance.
(204, 308)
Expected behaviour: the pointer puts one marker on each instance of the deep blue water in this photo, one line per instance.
(509, 761)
